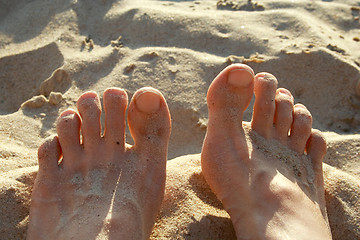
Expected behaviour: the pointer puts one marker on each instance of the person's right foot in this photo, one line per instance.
(269, 187)
(102, 188)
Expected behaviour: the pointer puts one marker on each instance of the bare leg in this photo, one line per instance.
(102, 188)
(260, 173)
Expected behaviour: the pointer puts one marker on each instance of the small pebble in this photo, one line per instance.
(35, 102)
(55, 98)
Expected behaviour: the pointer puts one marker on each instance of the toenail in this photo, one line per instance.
(300, 106)
(266, 76)
(284, 92)
(240, 77)
(68, 114)
(148, 101)
(116, 93)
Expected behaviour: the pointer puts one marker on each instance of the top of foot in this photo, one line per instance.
(96, 186)
(268, 174)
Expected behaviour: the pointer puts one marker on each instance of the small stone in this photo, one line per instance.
(203, 123)
(59, 81)
(335, 48)
(35, 102)
(234, 59)
(88, 41)
(55, 98)
(91, 44)
(117, 43)
(239, 6)
(130, 68)
(150, 56)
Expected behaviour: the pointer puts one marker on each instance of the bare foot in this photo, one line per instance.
(102, 188)
(270, 188)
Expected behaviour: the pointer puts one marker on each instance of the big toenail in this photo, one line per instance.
(148, 101)
(240, 78)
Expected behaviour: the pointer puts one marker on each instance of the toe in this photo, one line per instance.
(316, 148)
(49, 154)
(90, 110)
(68, 130)
(301, 128)
(229, 95)
(264, 106)
(115, 103)
(283, 119)
(149, 123)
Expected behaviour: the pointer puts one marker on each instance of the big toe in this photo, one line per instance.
(228, 96)
(149, 124)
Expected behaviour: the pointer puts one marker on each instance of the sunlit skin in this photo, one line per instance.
(101, 187)
(267, 173)
(264, 196)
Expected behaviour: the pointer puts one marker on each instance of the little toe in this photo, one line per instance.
(283, 119)
(301, 128)
(68, 130)
(90, 110)
(49, 154)
(149, 123)
(264, 106)
(228, 96)
(316, 149)
(115, 103)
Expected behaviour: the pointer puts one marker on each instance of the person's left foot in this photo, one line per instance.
(101, 187)
(270, 189)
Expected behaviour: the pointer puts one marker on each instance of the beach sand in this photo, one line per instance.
(52, 51)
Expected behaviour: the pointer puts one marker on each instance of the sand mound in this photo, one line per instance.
(190, 210)
(343, 207)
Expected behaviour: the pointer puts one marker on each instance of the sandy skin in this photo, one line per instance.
(268, 186)
(102, 188)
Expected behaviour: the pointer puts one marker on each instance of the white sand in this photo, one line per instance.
(312, 47)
